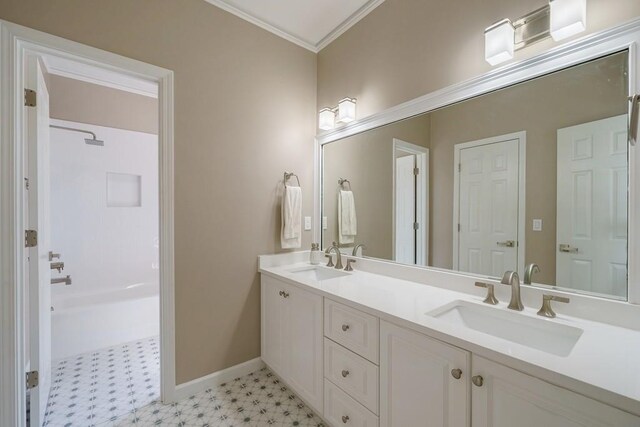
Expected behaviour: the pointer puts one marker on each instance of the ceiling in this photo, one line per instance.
(312, 24)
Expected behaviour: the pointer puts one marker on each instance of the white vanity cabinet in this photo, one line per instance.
(507, 398)
(423, 382)
(292, 338)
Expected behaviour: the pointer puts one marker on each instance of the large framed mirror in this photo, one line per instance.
(532, 177)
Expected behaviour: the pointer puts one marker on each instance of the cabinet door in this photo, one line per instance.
(508, 398)
(417, 387)
(274, 324)
(304, 345)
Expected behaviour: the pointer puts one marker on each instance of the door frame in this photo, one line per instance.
(16, 42)
(422, 195)
(521, 137)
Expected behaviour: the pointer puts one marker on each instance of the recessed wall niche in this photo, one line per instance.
(124, 190)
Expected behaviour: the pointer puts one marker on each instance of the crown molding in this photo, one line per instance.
(315, 48)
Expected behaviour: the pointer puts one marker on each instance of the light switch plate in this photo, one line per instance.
(324, 222)
(307, 223)
(537, 225)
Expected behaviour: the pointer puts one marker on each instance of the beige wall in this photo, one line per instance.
(83, 102)
(245, 111)
(366, 160)
(407, 48)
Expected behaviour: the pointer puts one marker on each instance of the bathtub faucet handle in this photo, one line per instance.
(57, 266)
(65, 280)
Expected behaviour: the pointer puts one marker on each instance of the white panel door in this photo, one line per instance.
(592, 207)
(274, 325)
(488, 234)
(305, 345)
(417, 387)
(405, 210)
(508, 398)
(37, 133)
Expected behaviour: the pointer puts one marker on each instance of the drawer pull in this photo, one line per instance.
(345, 373)
(345, 328)
(345, 419)
(477, 380)
(456, 373)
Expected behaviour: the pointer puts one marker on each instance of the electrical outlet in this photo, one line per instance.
(537, 225)
(307, 223)
(324, 222)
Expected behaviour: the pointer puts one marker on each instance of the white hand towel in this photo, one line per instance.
(347, 222)
(291, 214)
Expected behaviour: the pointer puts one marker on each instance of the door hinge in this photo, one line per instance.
(30, 238)
(458, 228)
(26, 183)
(30, 98)
(459, 167)
(416, 226)
(32, 379)
(416, 171)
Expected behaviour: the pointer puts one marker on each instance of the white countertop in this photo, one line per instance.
(604, 364)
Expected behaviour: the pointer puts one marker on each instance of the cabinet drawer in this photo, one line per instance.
(341, 409)
(352, 328)
(355, 375)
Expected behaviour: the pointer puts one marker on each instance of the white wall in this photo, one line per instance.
(123, 249)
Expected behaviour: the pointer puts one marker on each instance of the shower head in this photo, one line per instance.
(94, 141)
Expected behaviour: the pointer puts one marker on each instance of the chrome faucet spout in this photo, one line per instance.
(512, 279)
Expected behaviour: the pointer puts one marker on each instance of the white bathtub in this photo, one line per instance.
(82, 323)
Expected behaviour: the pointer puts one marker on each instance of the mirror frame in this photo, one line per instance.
(590, 47)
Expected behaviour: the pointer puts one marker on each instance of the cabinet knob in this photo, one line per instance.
(345, 419)
(283, 294)
(345, 328)
(345, 373)
(477, 380)
(456, 373)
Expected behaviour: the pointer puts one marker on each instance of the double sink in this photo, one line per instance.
(538, 333)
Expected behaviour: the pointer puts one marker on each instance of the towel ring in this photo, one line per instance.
(288, 176)
(342, 182)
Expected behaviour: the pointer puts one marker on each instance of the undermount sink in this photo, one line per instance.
(317, 273)
(541, 334)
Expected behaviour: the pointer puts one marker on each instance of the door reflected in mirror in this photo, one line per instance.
(535, 173)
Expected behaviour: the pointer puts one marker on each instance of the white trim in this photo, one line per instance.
(348, 23)
(201, 384)
(280, 32)
(623, 37)
(522, 174)
(16, 41)
(422, 196)
(65, 67)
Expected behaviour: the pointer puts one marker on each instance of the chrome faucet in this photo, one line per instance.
(65, 280)
(529, 272)
(356, 247)
(512, 279)
(334, 248)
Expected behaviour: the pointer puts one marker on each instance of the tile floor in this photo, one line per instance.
(119, 386)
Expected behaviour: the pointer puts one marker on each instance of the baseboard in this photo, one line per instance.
(198, 385)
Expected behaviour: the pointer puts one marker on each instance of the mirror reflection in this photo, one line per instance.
(531, 178)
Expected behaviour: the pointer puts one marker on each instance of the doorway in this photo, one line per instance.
(410, 203)
(26, 232)
(489, 205)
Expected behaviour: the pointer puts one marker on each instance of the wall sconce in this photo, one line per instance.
(345, 112)
(559, 19)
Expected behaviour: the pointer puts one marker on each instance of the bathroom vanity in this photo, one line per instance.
(365, 348)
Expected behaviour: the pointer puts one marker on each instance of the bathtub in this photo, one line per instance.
(83, 323)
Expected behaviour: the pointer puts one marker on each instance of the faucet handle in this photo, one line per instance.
(330, 263)
(546, 310)
(349, 267)
(491, 297)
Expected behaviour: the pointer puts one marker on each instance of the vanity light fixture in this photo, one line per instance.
(559, 19)
(499, 42)
(568, 17)
(345, 112)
